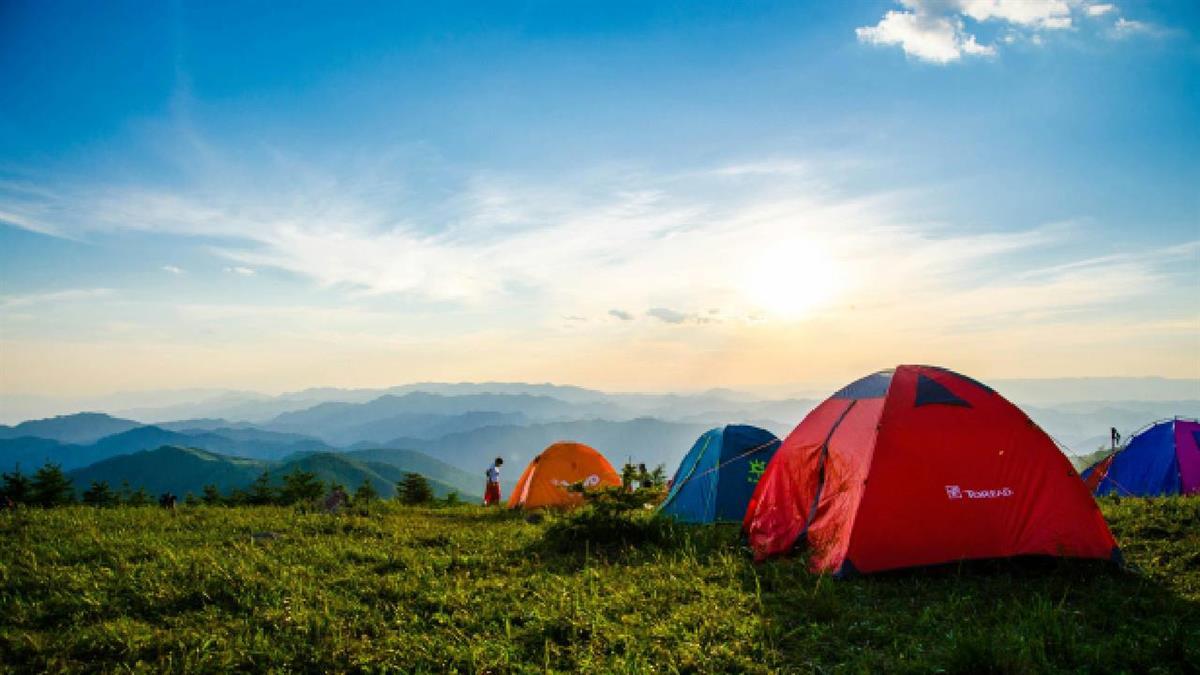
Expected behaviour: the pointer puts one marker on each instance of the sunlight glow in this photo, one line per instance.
(793, 279)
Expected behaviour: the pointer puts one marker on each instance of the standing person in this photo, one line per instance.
(491, 493)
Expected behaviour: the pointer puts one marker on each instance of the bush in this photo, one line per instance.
(211, 495)
(99, 494)
(51, 487)
(16, 486)
(365, 494)
(414, 489)
(611, 519)
(301, 487)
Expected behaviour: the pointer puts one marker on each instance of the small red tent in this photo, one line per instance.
(918, 466)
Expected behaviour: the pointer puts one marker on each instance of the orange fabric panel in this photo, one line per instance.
(542, 485)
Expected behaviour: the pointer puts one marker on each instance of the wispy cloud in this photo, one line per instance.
(750, 246)
(666, 315)
(70, 295)
(1126, 28)
(172, 269)
(1100, 9)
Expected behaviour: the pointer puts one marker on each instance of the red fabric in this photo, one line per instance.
(909, 485)
(1098, 473)
(491, 494)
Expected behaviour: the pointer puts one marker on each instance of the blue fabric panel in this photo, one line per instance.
(693, 490)
(931, 392)
(964, 378)
(1147, 466)
(745, 451)
(871, 386)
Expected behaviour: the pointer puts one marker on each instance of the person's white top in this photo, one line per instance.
(493, 474)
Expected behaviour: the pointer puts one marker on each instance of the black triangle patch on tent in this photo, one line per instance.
(931, 392)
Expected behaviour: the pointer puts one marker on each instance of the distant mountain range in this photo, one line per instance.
(31, 452)
(464, 426)
(77, 428)
(183, 470)
(647, 440)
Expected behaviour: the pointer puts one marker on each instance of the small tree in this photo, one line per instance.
(452, 498)
(414, 489)
(210, 495)
(125, 493)
(140, 497)
(659, 476)
(629, 473)
(51, 487)
(261, 493)
(190, 499)
(301, 486)
(99, 494)
(16, 486)
(366, 493)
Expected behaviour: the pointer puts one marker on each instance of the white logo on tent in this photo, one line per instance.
(956, 492)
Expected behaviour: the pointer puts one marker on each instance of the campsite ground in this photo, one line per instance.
(212, 588)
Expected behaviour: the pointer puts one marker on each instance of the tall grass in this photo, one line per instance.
(477, 590)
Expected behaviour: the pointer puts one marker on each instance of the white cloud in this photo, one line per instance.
(620, 314)
(937, 39)
(936, 30)
(243, 271)
(1049, 14)
(172, 269)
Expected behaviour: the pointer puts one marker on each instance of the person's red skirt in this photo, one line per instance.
(491, 494)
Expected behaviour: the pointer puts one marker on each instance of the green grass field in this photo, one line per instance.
(470, 590)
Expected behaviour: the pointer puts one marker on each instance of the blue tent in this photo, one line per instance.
(718, 475)
(1163, 459)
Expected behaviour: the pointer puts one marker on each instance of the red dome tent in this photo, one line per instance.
(920, 466)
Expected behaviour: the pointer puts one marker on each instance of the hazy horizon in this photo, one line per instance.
(624, 196)
(16, 408)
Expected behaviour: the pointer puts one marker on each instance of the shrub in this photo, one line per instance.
(51, 487)
(211, 495)
(99, 494)
(414, 489)
(16, 486)
(366, 493)
(261, 493)
(301, 486)
(612, 518)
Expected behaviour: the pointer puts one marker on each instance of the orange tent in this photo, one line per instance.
(543, 484)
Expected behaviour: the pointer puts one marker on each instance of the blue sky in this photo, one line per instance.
(626, 195)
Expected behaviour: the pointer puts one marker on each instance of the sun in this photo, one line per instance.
(793, 280)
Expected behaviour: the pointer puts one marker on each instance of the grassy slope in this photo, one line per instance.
(470, 589)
